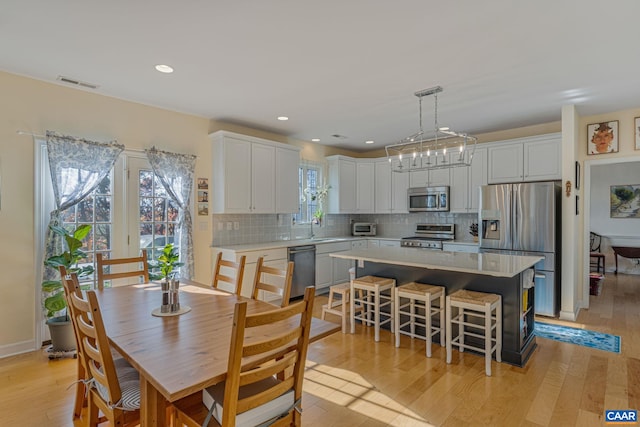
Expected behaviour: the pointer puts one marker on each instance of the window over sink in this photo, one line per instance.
(309, 179)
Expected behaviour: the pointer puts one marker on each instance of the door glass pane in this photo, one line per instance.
(94, 210)
(158, 215)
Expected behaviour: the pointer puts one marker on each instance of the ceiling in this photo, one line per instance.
(336, 67)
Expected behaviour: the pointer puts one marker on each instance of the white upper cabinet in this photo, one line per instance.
(390, 188)
(543, 159)
(365, 193)
(245, 176)
(477, 177)
(263, 178)
(382, 185)
(526, 159)
(287, 186)
(342, 179)
(465, 181)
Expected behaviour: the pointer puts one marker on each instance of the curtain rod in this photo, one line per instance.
(21, 132)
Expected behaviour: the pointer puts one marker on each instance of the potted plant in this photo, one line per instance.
(473, 230)
(55, 304)
(164, 268)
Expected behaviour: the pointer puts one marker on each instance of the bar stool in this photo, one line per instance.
(420, 296)
(480, 305)
(372, 299)
(340, 306)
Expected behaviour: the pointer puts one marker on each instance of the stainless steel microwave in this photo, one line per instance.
(428, 199)
(363, 229)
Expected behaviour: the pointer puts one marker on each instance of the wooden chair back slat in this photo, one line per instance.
(284, 277)
(234, 281)
(103, 262)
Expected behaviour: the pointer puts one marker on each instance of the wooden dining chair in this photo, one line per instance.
(596, 256)
(264, 376)
(71, 285)
(229, 266)
(273, 281)
(141, 271)
(113, 390)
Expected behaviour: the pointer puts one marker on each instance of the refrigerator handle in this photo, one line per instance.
(515, 220)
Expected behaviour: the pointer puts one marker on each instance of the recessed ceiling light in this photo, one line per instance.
(368, 142)
(164, 68)
(315, 139)
(283, 118)
(444, 128)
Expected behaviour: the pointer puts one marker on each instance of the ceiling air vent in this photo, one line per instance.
(338, 136)
(75, 82)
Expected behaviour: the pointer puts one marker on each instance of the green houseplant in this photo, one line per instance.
(54, 302)
(164, 268)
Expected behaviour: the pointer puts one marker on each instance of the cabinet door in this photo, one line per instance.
(505, 163)
(399, 187)
(364, 187)
(477, 177)
(459, 191)
(342, 179)
(383, 186)
(419, 178)
(390, 243)
(341, 270)
(287, 188)
(542, 160)
(237, 176)
(247, 279)
(324, 271)
(263, 169)
(438, 177)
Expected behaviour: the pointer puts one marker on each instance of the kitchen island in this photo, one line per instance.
(510, 276)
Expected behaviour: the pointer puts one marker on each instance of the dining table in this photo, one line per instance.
(178, 355)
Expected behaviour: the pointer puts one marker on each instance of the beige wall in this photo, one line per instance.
(35, 106)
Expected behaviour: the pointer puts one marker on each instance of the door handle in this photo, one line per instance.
(540, 276)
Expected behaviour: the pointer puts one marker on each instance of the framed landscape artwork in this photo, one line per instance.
(636, 132)
(625, 201)
(602, 137)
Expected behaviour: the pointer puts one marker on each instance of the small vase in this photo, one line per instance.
(475, 239)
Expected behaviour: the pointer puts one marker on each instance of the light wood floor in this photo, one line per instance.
(353, 381)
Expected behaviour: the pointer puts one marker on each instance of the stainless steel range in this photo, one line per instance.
(430, 236)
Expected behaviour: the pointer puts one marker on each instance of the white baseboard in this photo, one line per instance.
(17, 348)
(569, 315)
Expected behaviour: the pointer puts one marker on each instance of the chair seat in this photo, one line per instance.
(472, 297)
(129, 380)
(214, 395)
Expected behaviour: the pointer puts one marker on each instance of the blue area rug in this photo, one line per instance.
(584, 337)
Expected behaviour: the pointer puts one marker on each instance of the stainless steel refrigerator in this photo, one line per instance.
(524, 219)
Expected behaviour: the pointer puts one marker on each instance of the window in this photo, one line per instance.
(95, 210)
(158, 215)
(309, 179)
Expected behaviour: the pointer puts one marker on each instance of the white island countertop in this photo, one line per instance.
(489, 264)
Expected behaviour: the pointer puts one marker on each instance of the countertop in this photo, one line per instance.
(316, 241)
(496, 265)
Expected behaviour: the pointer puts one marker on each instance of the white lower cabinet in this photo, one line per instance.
(461, 247)
(329, 270)
(389, 243)
(373, 243)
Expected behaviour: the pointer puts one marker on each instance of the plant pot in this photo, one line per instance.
(62, 336)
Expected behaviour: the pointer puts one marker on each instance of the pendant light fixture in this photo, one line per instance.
(437, 149)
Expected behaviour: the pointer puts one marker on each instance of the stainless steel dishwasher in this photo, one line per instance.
(304, 268)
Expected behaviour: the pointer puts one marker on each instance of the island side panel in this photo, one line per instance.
(516, 348)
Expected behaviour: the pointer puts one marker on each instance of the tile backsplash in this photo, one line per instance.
(258, 228)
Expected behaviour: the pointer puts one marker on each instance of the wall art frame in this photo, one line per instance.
(602, 138)
(624, 201)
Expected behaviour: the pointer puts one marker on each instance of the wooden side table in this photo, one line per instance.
(625, 252)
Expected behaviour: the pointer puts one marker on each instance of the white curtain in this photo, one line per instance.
(175, 172)
(77, 167)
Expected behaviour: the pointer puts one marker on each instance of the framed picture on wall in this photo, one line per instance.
(636, 128)
(625, 201)
(602, 137)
